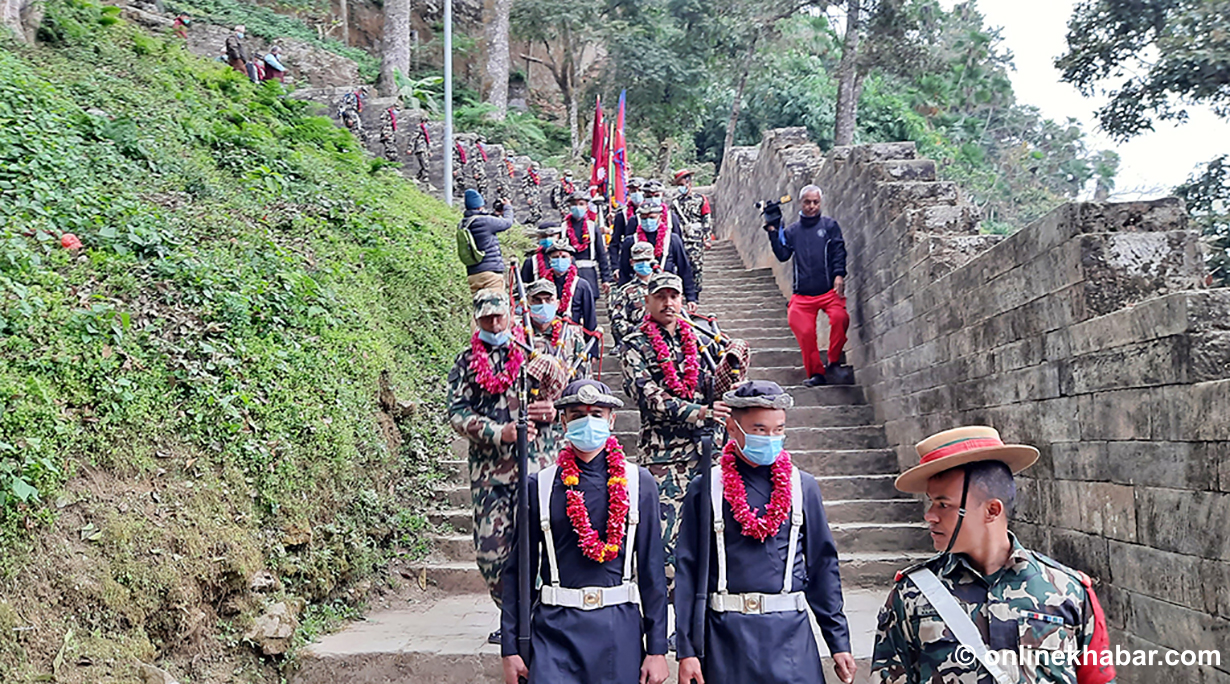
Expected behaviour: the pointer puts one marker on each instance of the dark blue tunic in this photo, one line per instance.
(584, 312)
(774, 648)
(596, 646)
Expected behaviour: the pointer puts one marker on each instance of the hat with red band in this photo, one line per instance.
(959, 446)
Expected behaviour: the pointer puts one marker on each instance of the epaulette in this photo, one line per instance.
(901, 574)
(1081, 577)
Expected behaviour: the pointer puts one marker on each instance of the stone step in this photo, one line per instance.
(452, 496)
(455, 548)
(801, 438)
(774, 339)
(788, 375)
(834, 462)
(881, 537)
(459, 519)
(456, 471)
(456, 577)
(848, 487)
(873, 511)
(864, 569)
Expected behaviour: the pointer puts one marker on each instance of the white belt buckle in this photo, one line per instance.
(753, 604)
(591, 599)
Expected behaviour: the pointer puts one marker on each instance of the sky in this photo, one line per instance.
(1152, 163)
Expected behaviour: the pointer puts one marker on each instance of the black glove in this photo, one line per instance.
(772, 214)
(498, 207)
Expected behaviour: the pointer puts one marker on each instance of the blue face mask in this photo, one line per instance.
(560, 264)
(683, 189)
(763, 450)
(578, 212)
(643, 268)
(588, 433)
(636, 197)
(544, 243)
(543, 312)
(494, 339)
(649, 224)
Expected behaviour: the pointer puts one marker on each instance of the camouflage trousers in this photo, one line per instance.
(695, 250)
(422, 172)
(494, 533)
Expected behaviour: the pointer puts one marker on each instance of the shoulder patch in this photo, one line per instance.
(1081, 577)
(901, 574)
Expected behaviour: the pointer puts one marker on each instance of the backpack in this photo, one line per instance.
(467, 250)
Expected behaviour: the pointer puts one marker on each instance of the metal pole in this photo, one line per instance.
(448, 102)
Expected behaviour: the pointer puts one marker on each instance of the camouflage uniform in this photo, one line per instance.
(421, 149)
(504, 180)
(670, 434)
(388, 133)
(459, 164)
(348, 112)
(628, 309)
(694, 214)
(531, 190)
(560, 193)
(1032, 604)
(479, 417)
(478, 167)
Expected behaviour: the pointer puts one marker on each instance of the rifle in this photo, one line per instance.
(524, 582)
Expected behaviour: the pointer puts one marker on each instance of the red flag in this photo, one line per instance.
(597, 177)
(620, 152)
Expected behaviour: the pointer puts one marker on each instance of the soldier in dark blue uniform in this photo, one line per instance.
(600, 614)
(576, 295)
(772, 556)
(669, 252)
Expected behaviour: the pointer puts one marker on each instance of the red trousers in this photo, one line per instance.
(802, 318)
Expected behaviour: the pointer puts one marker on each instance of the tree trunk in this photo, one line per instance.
(344, 12)
(738, 104)
(11, 16)
(498, 58)
(848, 78)
(664, 158)
(395, 48)
(574, 127)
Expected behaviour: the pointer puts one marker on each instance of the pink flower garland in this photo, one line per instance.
(736, 495)
(686, 388)
(480, 364)
(617, 502)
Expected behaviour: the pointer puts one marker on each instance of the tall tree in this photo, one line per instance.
(395, 46)
(565, 29)
(499, 61)
(1165, 55)
(849, 77)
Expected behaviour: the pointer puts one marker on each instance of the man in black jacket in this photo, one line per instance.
(819, 253)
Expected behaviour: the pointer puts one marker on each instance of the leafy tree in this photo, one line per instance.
(1164, 55)
(395, 47)
(1206, 196)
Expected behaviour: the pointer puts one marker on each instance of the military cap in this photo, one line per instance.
(652, 186)
(490, 303)
(958, 446)
(549, 229)
(681, 174)
(664, 280)
(651, 205)
(559, 244)
(642, 251)
(758, 394)
(578, 196)
(588, 393)
(540, 286)
(636, 182)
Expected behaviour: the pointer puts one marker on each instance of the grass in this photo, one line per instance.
(192, 397)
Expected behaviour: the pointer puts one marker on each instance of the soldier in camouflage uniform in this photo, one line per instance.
(694, 216)
(561, 192)
(628, 301)
(1021, 604)
(348, 112)
(388, 133)
(531, 190)
(478, 166)
(460, 159)
(554, 335)
(421, 149)
(488, 419)
(506, 177)
(672, 412)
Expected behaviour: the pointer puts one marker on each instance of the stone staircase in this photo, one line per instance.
(832, 435)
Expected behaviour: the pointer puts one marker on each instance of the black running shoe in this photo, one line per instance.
(817, 380)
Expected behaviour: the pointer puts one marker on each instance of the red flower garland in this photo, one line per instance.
(686, 388)
(543, 267)
(617, 503)
(572, 237)
(565, 297)
(557, 333)
(736, 495)
(659, 239)
(480, 364)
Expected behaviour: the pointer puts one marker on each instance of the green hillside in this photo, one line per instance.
(194, 395)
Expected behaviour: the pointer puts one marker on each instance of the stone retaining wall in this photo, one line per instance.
(1087, 334)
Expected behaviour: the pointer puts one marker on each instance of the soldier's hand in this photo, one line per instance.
(653, 670)
(515, 669)
(542, 411)
(692, 306)
(844, 666)
(606, 289)
(689, 671)
(721, 411)
(508, 433)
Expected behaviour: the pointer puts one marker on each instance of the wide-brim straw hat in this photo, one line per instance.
(958, 446)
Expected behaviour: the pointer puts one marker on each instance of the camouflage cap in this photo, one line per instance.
(541, 286)
(490, 303)
(758, 394)
(588, 393)
(642, 251)
(664, 280)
